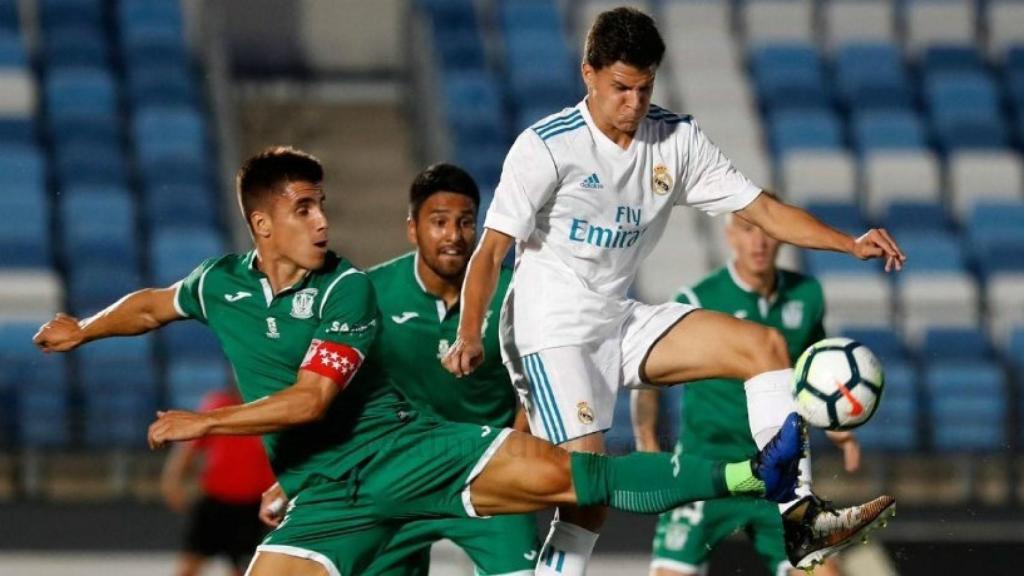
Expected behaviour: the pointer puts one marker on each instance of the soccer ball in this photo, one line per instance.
(837, 384)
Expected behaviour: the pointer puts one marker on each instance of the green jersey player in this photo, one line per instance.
(418, 296)
(298, 325)
(714, 421)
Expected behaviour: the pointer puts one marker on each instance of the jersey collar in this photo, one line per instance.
(601, 138)
(268, 291)
(442, 311)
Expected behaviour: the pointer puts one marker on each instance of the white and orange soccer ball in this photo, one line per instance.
(837, 384)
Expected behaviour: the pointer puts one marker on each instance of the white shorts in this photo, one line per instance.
(570, 391)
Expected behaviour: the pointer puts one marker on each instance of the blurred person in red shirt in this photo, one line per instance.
(224, 519)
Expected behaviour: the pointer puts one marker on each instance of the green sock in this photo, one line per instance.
(652, 482)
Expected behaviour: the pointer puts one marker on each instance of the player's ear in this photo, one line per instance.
(410, 229)
(588, 76)
(260, 223)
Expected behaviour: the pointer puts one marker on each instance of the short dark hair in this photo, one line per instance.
(441, 177)
(624, 35)
(266, 173)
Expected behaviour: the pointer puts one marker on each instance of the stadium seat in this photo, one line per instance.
(167, 85)
(871, 76)
(904, 176)
(59, 14)
(189, 380)
(180, 205)
(932, 252)
(1005, 24)
(926, 300)
(964, 111)
(75, 45)
(931, 22)
(955, 344)
(30, 293)
(473, 107)
(186, 341)
(94, 286)
(82, 163)
(17, 94)
(857, 299)
(990, 176)
(168, 133)
(538, 69)
(778, 20)
(887, 345)
(789, 76)
(76, 92)
(916, 216)
(44, 406)
(25, 239)
(1004, 299)
(109, 240)
(819, 176)
(12, 50)
(843, 215)
(619, 439)
(894, 427)
(858, 21)
(119, 400)
(874, 131)
(940, 58)
(175, 252)
(9, 20)
(458, 48)
(793, 130)
(18, 132)
(1015, 348)
(969, 406)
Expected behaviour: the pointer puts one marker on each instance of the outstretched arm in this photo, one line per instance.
(305, 401)
(136, 313)
(477, 290)
(796, 226)
(644, 409)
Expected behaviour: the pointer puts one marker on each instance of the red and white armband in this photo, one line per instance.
(335, 361)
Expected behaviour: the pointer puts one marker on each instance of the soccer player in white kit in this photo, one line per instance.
(584, 195)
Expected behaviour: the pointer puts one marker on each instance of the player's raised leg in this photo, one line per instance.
(278, 564)
(707, 344)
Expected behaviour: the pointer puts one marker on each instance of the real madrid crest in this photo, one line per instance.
(662, 180)
(585, 414)
(302, 303)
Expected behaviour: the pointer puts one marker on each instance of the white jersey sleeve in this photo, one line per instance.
(712, 183)
(528, 180)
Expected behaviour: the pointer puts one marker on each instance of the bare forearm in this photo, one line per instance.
(136, 313)
(477, 291)
(644, 408)
(291, 407)
(796, 226)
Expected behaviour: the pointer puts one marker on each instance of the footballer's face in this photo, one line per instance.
(444, 231)
(754, 250)
(619, 95)
(298, 224)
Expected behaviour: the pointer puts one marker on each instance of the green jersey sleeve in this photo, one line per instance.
(188, 297)
(686, 295)
(348, 313)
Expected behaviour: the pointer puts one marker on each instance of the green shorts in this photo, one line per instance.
(502, 545)
(423, 470)
(686, 536)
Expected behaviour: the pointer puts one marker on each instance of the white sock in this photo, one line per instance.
(769, 401)
(566, 551)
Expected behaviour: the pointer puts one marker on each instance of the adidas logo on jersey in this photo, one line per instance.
(591, 183)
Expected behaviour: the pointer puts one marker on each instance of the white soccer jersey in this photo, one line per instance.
(585, 212)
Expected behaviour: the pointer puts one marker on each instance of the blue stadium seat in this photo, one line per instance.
(80, 92)
(968, 406)
(952, 58)
(9, 20)
(44, 404)
(996, 234)
(913, 216)
(474, 108)
(80, 163)
(94, 286)
(12, 50)
(25, 239)
(483, 161)
(789, 76)
(884, 342)
(871, 76)
(876, 130)
(542, 15)
(1015, 349)
(895, 425)
(188, 341)
(539, 69)
(459, 48)
(792, 130)
(189, 380)
(18, 132)
(175, 252)
(965, 111)
(169, 133)
(119, 400)
(23, 168)
(956, 343)
(76, 45)
(180, 205)
(109, 239)
(167, 85)
(142, 20)
(933, 252)
(54, 14)
(100, 130)
(842, 215)
(619, 438)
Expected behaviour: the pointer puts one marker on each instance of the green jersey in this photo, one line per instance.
(415, 332)
(266, 337)
(714, 420)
